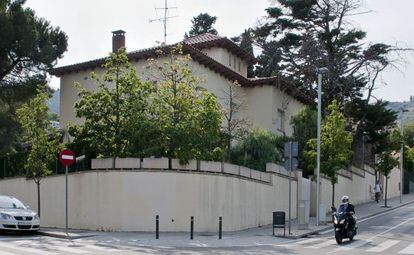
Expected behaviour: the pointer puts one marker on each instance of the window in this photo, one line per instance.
(234, 63)
(229, 59)
(239, 66)
(280, 120)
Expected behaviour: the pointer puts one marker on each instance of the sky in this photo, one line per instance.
(88, 24)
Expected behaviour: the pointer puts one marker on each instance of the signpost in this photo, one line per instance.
(67, 158)
(291, 163)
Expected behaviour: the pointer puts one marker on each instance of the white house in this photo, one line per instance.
(270, 101)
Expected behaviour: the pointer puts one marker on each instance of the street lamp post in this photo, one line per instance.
(320, 72)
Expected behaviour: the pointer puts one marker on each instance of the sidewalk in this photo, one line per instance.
(246, 238)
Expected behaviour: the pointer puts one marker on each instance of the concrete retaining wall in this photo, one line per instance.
(128, 200)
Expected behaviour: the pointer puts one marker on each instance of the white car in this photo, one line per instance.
(15, 216)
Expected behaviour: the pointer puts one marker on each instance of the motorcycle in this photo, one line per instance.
(341, 225)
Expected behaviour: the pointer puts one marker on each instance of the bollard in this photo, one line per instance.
(220, 226)
(192, 228)
(157, 227)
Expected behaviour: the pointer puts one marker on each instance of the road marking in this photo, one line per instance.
(72, 250)
(322, 245)
(26, 250)
(306, 241)
(371, 217)
(353, 245)
(7, 253)
(392, 228)
(383, 246)
(101, 248)
(408, 250)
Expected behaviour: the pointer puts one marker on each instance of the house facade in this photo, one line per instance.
(270, 102)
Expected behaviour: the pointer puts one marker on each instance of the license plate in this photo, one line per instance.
(24, 223)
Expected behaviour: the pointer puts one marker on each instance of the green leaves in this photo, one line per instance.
(39, 134)
(335, 144)
(203, 23)
(171, 116)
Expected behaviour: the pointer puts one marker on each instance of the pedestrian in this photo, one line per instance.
(377, 190)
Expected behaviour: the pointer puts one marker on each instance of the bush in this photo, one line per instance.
(257, 149)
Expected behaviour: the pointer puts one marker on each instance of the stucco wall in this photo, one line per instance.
(129, 200)
(359, 188)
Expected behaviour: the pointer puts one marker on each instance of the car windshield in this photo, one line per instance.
(10, 203)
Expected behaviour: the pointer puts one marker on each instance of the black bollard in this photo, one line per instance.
(157, 227)
(220, 226)
(192, 228)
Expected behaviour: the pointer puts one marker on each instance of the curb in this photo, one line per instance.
(317, 232)
(62, 235)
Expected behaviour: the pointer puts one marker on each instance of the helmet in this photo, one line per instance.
(345, 199)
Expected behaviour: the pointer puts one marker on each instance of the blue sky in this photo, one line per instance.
(89, 23)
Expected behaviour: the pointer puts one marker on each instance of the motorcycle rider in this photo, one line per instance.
(349, 209)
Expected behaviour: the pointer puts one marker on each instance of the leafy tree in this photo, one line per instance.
(386, 158)
(42, 138)
(299, 36)
(335, 146)
(236, 127)
(188, 117)
(304, 129)
(29, 46)
(409, 148)
(257, 149)
(107, 111)
(203, 23)
(373, 120)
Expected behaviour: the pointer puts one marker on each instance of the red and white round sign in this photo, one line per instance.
(67, 157)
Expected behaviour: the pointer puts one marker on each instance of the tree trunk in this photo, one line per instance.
(386, 190)
(38, 198)
(333, 194)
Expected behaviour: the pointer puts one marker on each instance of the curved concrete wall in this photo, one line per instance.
(117, 200)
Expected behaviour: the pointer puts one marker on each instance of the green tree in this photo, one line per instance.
(386, 160)
(203, 23)
(299, 36)
(107, 111)
(29, 46)
(304, 129)
(335, 146)
(258, 148)
(187, 116)
(42, 138)
(409, 147)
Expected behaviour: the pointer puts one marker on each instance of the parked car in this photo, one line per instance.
(15, 216)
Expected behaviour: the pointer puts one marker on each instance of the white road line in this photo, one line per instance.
(26, 250)
(322, 245)
(72, 250)
(392, 228)
(101, 248)
(408, 250)
(383, 246)
(310, 240)
(353, 245)
(7, 253)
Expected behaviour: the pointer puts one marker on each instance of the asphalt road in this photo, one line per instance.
(390, 233)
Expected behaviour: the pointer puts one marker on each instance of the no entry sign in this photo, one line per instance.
(67, 157)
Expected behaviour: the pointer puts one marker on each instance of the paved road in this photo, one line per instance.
(391, 233)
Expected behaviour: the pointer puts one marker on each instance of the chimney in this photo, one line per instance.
(118, 40)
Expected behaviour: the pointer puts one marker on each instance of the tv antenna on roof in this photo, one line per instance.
(165, 18)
